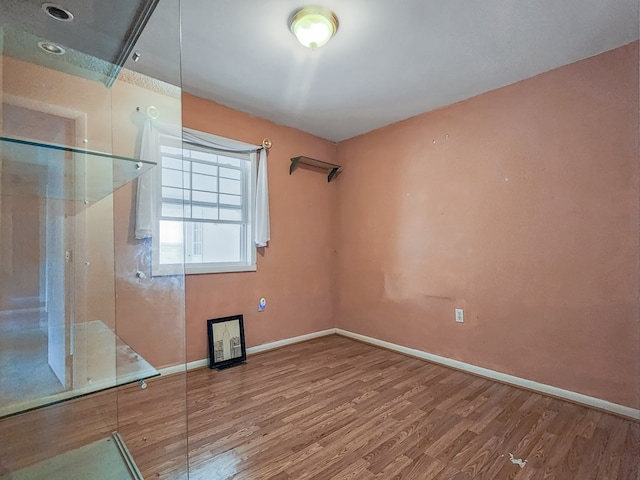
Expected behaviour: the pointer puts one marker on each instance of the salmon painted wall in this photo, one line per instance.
(520, 206)
(295, 271)
(149, 310)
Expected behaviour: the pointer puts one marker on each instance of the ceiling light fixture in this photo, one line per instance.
(52, 48)
(57, 12)
(313, 26)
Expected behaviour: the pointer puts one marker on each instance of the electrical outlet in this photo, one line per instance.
(459, 315)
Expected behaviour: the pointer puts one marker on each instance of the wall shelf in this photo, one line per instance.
(331, 168)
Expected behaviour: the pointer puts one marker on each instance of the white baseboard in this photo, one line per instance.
(288, 341)
(198, 364)
(500, 377)
(575, 397)
(257, 349)
(172, 369)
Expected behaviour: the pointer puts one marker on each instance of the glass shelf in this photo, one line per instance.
(105, 459)
(29, 168)
(102, 360)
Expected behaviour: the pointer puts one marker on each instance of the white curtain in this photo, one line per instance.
(262, 225)
(146, 199)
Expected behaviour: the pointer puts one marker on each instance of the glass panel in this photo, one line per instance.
(83, 175)
(171, 242)
(172, 178)
(82, 318)
(174, 163)
(175, 193)
(177, 151)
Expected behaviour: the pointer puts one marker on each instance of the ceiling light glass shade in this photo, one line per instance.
(313, 26)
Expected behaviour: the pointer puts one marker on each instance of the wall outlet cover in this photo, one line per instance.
(459, 315)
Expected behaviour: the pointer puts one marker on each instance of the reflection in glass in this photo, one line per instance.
(80, 311)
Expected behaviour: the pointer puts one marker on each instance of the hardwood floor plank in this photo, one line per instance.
(423, 468)
(613, 450)
(335, 408)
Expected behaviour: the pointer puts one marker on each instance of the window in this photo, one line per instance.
(204, 209)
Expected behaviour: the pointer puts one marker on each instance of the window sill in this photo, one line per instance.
(168, 270)
(197, 270)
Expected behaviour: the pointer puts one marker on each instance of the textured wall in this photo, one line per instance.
(520, 206)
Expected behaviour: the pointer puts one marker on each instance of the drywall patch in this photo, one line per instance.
(517, 461)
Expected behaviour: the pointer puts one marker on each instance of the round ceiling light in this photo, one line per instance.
(57, 12)
(52, 48)
(313, 26)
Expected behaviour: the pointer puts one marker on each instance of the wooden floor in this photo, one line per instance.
(336, 408)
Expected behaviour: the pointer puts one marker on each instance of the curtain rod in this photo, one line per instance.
(222, 149)
(266, 145)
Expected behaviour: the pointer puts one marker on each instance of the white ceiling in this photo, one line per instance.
(390, 60)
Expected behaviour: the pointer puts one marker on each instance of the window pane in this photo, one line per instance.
(205, 197)
(204, 168)
(172, 150)
(175, 210)
(204, 182)
(196, 240)
(235, 162)
(170, 162)
(230, 199)
(205, 213)
(221, 242)
(171, 242)
(231, 214)
(171, 178)
(211, 185)
(230, 186)
(175, 193)
(230, 173)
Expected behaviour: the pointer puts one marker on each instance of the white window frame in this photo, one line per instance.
(249, 265)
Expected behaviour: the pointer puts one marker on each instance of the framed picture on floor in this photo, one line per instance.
(226, 341)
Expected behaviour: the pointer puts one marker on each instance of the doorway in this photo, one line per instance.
(35, 271)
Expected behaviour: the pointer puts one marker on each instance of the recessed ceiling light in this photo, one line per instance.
(57, 12)
(313, 26)
(52, 48)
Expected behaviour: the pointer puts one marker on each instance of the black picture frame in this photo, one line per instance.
(226, 341)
